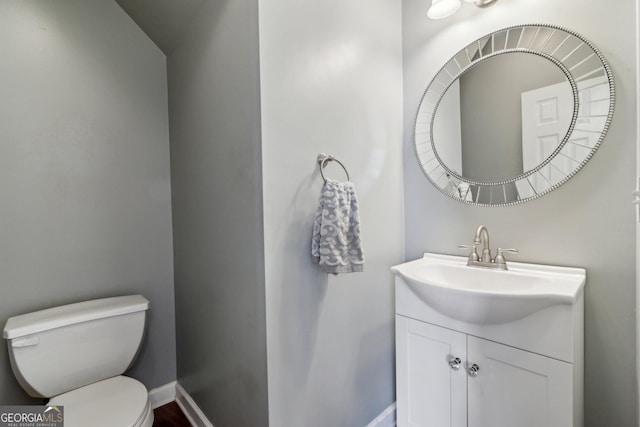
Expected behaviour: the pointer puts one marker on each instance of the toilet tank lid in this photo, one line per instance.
(56, 317)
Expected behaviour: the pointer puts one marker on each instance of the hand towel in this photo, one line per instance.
(336, 246)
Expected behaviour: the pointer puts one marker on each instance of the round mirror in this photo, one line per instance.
(514, 115)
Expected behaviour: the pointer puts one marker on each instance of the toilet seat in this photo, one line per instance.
(118, 401)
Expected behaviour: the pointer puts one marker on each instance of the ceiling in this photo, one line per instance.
(164, 21)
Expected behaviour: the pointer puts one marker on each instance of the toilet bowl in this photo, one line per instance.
(76, 355)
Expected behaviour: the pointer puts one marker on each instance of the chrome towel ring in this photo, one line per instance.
(324, 159)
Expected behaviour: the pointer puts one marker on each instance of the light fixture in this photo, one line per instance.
(442, 8)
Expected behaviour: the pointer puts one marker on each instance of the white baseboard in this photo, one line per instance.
(194, 414)
(162, 395)
(173, 391)
(386, 419)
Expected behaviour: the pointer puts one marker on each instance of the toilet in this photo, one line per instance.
(75, 355)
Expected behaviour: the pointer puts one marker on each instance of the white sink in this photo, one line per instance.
(488, 296)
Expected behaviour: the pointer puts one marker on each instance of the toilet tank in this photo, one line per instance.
(59, 349)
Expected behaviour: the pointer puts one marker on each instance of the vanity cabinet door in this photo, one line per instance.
(430, 392)
(514, 387)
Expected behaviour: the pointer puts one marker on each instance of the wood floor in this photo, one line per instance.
(169, 415)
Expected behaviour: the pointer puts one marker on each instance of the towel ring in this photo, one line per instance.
(324, 159)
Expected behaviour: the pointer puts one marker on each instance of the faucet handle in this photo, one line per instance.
(473, 255)
(500, 260)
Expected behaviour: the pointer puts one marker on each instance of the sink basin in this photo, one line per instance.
(488, 296)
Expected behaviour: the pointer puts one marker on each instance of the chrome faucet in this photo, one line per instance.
(482, 234)
(485, 260)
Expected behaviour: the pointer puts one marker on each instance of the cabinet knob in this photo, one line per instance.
(473, 370)
(455, 363)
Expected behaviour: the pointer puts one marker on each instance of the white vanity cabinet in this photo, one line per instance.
(428, 391)
(512, 387)
(452, 372)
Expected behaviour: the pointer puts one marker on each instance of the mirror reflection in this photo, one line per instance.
(491, 112)
(514, 115)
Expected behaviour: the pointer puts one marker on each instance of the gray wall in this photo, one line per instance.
(214, 107)
(164, 21)
(588, 222)
(331, 81)
(84, 170)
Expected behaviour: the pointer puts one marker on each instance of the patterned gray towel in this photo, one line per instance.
(336, 246)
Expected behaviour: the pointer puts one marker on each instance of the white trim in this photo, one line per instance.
(173, 391)
(162, 395)
(386, 419)
(194, 414)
